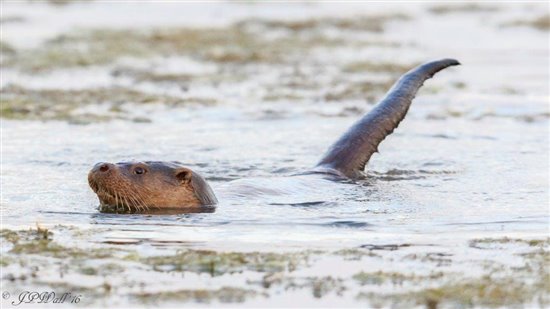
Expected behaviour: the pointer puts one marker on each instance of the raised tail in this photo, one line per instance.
(352, 151)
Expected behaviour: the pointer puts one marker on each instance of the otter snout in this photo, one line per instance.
(102, 167)
(98, 173)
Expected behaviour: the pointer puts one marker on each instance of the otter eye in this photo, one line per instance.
(139, 170)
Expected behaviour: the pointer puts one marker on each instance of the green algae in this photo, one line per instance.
(238, 44)
(278, 96)
(90, 271)
(319, 286)
(11, 19)
(26, 235)
(230, 48)
(325, 285)
(223, 294)
(6, 49)
(355, 254)
(373, 23)
(468, 293)
(541, 23)
(395, 278)
(35, 248)
(482, 243)
(40, 242)
(60, 3)
(442, 9)
(501, 285)
(364, 90)
(22, 103)
(498, 285)
(148, 76)
(99, 47)
(215, 263)
(104, 269)
(6, 260)
(180, 79)
(437, 258)
(218, 263)
(377, 67)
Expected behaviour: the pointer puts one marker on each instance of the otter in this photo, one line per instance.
(149, 185)
(140, 186)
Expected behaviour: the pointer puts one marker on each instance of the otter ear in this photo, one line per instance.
(184, 175)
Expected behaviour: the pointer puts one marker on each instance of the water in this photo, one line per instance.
(410, 181)
(468, 162)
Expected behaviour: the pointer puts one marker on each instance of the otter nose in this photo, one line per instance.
(102, 167)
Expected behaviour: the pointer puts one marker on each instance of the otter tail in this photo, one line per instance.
(352, 151)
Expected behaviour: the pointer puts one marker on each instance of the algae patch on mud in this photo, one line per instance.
(498, 284)
(6, 49)
(395, 278)
(378, 67)
(462, 8)
(541, 23)
(61, 2)
(373, 23)
(483, 243)
(183, 80)
(224, 295)
(367, 90)
(28, 255)
(35, 249)
(243, 56)
(240, 43)
(22, 103)
(485, 292)
(40, 242)
(218, 263)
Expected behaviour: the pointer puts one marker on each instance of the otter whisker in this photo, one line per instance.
(131, 197)
(140, 202)
(145, 206)
(122, 204)
(128, 204)
(116, 199)
(104, 192)
(135, 202)
(139, 199)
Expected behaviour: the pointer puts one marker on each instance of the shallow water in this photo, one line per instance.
(468, 162)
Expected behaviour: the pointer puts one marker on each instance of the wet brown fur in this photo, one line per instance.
(163, 185)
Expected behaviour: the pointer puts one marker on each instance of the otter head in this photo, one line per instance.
(146, 186)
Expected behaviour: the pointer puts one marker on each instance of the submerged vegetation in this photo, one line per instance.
(358, 90)
(22, 103)
(541, 23)
(462, 8)
(373, 23)
(241, 43)
(224, 295)
(488, 291)
(218, 263)
(378, 67)
(26, 254)
(237, 52)
(6, 49)
(60, 2)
